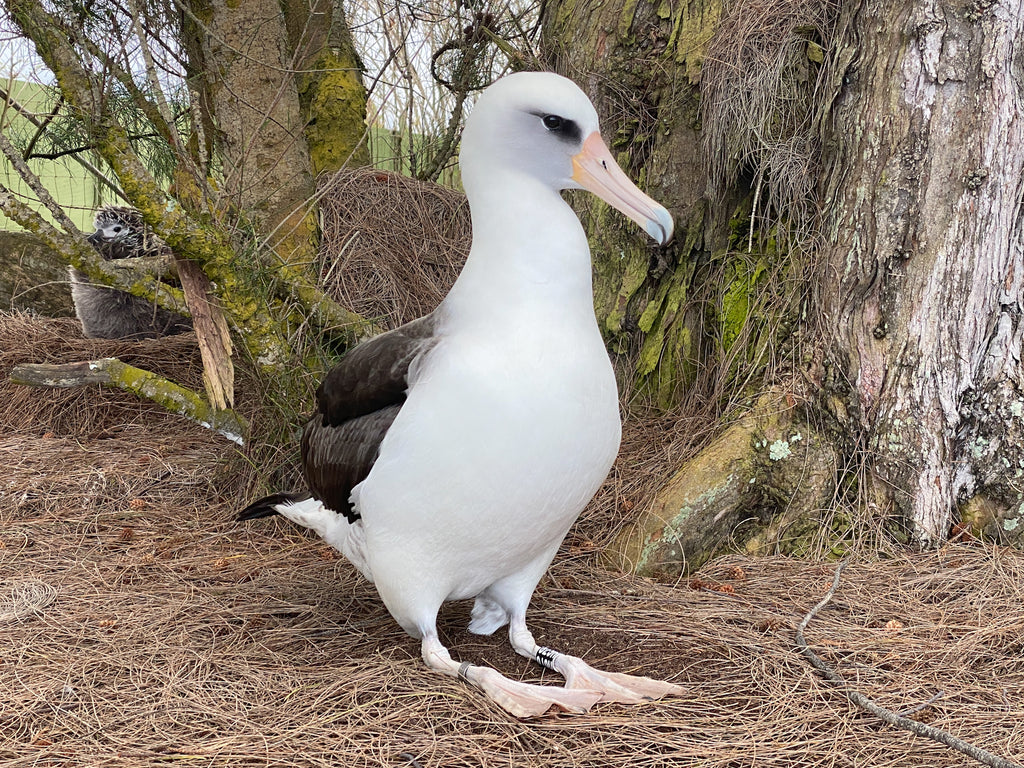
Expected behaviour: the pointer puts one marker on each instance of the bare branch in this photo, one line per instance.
(161, 121)
(152, 79)
(212, 333)
(921, 729)
(41, 126)
(83, 148)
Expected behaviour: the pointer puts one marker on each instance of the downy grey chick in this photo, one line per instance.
(106, 313)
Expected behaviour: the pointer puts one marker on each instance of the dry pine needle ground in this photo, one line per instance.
(140, 625)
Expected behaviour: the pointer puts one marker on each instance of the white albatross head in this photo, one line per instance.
(542, 124)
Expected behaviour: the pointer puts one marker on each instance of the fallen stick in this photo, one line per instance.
(110, 371)
(862, 701)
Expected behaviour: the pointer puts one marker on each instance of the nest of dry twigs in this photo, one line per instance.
(391, 246)
(141, 625)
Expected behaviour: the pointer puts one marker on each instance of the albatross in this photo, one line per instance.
(448, 458)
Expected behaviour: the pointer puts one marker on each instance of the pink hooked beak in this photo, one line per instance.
(595, 169)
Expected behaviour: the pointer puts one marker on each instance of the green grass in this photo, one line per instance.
(389, 150)
(67, 181)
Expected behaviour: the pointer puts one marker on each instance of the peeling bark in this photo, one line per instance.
(212, 334)
(920, 297)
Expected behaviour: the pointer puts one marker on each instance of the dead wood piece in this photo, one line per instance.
(921, 729)
(212, 333)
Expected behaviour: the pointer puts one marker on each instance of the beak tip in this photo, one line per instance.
(660, 228)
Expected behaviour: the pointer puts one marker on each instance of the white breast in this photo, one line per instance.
(505, 437)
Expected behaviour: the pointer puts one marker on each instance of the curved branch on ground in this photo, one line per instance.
(110, 371)
(921, 729)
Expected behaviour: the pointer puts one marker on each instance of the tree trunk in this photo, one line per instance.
(692, 307)
(251, 89)
(920, 286)
(330, 85)
(32, 277)
(847, 183)
(650, 117)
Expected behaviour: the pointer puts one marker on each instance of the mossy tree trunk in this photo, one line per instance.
(855, 223)
(330, 87)
(667, 312)
(247, 72)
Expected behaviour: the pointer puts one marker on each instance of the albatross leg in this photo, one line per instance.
(611, 686)
(519, 699)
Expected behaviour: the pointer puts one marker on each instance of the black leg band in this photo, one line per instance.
(545, 657)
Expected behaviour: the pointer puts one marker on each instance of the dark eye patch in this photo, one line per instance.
(562, 127)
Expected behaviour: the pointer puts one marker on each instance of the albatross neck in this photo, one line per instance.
(529, 248)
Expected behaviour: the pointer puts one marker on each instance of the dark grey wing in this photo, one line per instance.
(357, 402)
(336, 459)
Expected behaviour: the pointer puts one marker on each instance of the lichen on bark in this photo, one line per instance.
(110, 371)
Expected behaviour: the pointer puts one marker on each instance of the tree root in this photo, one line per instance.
(890, 717)
(112, 372)
(764, 478)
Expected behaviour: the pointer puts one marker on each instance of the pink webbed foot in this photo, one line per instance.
(613, 686)
(528, 700)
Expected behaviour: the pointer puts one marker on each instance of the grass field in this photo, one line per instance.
(66, 180)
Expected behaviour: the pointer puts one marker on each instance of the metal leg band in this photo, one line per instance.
(462, 671)
(546, 657)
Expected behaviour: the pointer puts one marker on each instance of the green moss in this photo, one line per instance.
(174, 398)
(632, 276)
(663, 363)
(691, 33)
(334, 99)
(626, 18)
(742, 281)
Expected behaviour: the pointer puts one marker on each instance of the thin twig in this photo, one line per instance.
(862, 701)
(922, 705)
(153, 80)
(58, 154)
(42, 125)
(42, 193)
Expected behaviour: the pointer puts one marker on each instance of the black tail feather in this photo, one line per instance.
(265, 507)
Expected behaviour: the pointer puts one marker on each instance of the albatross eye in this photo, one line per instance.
(552, 122)
(562, 127)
